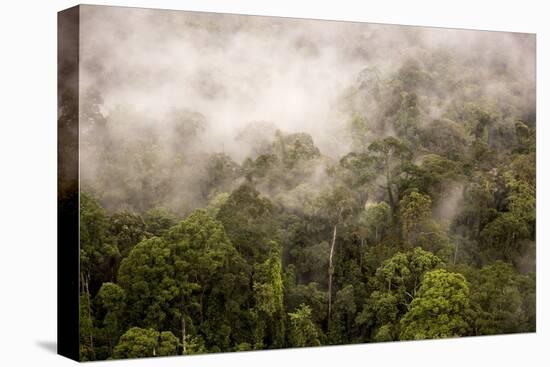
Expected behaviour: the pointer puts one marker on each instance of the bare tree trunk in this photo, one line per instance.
(330, 272)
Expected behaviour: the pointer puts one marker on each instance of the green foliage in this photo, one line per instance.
(130, 229)
(168, 344)
(216, 203)
(138, 343)
(357, 170)
(417, 226)
(221, 174)
(268, 300)
(158, 221)
(507, 237)
(147, 277)
(381, 315)
(293, 148)
(336, 204)
(343, 318)
(310, 295)
(194, 345)
(439, 309)
(111, 299)
(403, 272)
(526, 138)
(207, 268)
(86, 327)
(302, 331)
(374, 221)
(391, 156)
(94, 235)
(396, 283)
(445, 138)
(415, 210)
(435, 176)
(503, 300)
(248, 219)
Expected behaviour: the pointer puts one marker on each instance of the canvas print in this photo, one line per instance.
(251, 183)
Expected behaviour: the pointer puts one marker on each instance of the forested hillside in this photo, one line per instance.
(406, 211)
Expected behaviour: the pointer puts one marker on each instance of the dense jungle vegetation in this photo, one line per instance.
(423, 228)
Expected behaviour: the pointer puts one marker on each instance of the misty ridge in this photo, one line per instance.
(254, 183)
(169, 96)
(182, 108)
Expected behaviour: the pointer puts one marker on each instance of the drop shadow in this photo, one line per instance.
(48, 345)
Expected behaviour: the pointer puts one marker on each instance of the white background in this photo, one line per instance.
(28, 183)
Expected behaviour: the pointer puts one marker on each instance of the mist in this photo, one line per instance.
(236, 73)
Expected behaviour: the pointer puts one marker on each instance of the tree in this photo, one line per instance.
(526, 138)
(336, 205)
(147, 276)
(94, 250)
(293, 148)
(445, 138)
(221, 174)
(111, 299)
(310, 295)
(477, 210)
(94, 241)
(249, 222)
(216, 203)
(508, 236)
(381, 314)
(503, 300)
(358, 171)
(139, 343)
(417, 226)
(168, 344)
(344, 316)
(439, 309)
(194, 345)
(158, 221)
(390, 155)
(436, 176)
(415, 210)
(302, 331)
(374, 221)
(291, 160)
(202, 253)
(268, 300)
(86, 330)
(313, 258)
(403, 272)
(396, 283)
(129, 229)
